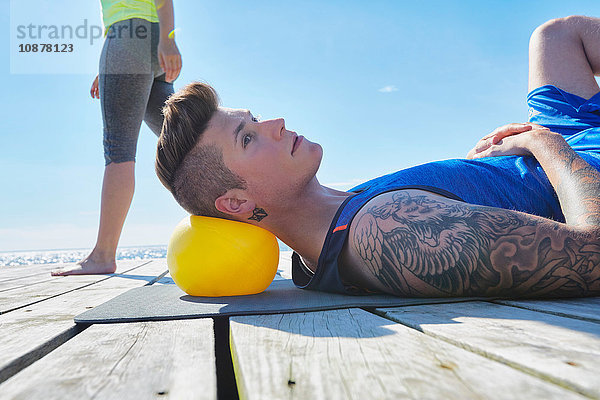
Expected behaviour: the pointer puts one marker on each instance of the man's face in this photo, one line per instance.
(276, 163)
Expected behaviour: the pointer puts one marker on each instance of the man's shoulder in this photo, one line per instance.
(391, 237)
(377, 224)
(401, 200)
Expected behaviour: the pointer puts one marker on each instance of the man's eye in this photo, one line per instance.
(245, 140)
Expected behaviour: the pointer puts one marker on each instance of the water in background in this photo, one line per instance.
(15, 258)
(73, 255)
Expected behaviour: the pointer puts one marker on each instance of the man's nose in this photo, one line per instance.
(275, 128)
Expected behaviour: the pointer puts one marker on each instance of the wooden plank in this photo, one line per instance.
(587, 309)
(31, 332)
(24, 281)
(353, 354)
(58, 285)
(562, 350)
(20, 271)
(167, 359)
(34, 274)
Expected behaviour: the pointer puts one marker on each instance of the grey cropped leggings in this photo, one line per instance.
(132, 86)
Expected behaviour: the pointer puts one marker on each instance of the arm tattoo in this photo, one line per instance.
(417, 245)
(578, 180)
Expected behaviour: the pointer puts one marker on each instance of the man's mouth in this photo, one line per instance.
(296, 143)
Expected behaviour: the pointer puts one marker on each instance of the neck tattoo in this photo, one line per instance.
(258, 214)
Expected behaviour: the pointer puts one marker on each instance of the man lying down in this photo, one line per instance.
(519, 218)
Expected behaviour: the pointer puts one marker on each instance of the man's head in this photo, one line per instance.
(225, 163)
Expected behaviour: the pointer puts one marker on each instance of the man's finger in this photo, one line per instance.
(483, 144)
(509, 130)
(475, 156)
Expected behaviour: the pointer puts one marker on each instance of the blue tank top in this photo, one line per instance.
(514, 183)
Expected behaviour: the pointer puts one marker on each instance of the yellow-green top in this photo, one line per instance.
(120, 10)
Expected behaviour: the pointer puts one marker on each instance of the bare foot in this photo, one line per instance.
(87, 267)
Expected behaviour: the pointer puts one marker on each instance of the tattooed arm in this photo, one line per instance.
(418, 244)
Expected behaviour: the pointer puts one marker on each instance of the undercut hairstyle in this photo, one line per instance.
(195, 174)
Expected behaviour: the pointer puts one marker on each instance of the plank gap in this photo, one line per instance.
(157, 278)
(433, 302)
(557, 313)
(226, 382)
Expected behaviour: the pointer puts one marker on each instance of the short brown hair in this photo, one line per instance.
(195, 175)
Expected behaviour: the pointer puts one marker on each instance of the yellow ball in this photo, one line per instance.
(216, 257)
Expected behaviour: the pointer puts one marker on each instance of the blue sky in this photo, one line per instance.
(381, 85)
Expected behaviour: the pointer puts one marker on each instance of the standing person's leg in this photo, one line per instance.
(565, 52)
(161, 90)
(125, 84)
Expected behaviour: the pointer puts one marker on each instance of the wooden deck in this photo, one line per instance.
(469, 350)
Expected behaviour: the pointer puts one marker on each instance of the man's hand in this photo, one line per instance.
(169, 58)
(508, 140)
(94, 91)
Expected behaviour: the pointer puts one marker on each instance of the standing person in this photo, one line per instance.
(139, 62)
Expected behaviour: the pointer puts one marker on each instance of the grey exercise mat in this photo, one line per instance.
(165, 302)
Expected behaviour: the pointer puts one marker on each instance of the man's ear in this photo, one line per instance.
(234, 202)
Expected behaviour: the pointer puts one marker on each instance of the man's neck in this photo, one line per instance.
(304, 226)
